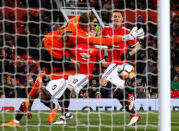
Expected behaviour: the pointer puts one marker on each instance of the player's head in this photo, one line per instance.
(86, 21)
(117, 17)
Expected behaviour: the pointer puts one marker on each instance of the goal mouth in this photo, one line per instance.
(69, 12)
(24, 24)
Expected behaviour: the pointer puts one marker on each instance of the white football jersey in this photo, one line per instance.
(56, 87)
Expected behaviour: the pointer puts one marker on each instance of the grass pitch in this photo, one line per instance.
(88, 121)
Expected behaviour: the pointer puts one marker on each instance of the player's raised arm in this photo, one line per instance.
(94, 40)
(83, 27)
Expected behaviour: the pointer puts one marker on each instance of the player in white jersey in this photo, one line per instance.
(61, 89)
(55, 88)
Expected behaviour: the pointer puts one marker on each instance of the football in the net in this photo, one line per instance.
(126, 71)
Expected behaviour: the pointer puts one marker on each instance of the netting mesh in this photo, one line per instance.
(24, 54)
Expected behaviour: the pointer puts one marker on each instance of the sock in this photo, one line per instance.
(16, 121)
(30, 104)
(64, 100)
(18, 117)
(125, 105)
(132, 112)
(53, 106)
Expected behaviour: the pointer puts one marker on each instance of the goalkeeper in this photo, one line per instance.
(117, 56)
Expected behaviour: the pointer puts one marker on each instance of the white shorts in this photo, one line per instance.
(56, 88)
(111, 75)
(78, 81)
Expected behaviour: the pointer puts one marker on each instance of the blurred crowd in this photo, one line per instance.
(21, 38)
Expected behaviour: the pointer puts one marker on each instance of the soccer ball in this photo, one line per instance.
(126, 71)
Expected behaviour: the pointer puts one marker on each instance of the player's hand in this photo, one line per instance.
(131, 36)
(28, 114)
(134, 34)
(140, 33)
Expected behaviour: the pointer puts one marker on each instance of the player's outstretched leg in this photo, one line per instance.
(128, 104)
(64, 102)
(44, 79)
(135, 118)
(45, 98)
(24, 109)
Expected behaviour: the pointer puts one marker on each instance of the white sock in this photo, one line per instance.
(55, 106)
(16, 121)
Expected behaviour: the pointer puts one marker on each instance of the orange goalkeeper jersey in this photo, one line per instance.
(69, 35)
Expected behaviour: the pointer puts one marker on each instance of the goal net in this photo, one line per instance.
(24, 24)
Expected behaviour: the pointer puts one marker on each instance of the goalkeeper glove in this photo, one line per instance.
(140, 33)
(134, 34)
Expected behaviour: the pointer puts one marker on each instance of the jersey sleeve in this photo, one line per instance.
(105, 41)
(133, 42)
(100, 40)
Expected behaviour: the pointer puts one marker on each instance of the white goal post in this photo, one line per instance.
(164, 65)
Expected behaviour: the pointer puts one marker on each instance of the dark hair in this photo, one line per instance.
(117, 10)
(86, 18)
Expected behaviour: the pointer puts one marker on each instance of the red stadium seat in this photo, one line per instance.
(174, 94)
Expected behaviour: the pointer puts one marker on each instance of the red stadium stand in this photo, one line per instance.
(174, 94)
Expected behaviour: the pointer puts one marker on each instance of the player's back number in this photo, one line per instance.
(54, 87)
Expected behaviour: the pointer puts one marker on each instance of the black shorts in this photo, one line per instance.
(122, 94)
